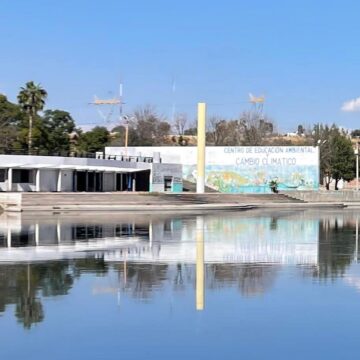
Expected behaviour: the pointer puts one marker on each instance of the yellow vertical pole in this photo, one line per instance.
(200, 266)
(126, 138)
(200, 178)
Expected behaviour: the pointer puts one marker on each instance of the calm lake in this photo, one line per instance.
(263, 284)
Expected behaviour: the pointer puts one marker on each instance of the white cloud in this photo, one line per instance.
(351, 105)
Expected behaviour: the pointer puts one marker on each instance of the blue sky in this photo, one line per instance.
(303, 55)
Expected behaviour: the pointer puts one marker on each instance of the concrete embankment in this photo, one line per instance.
(56, 202)
(348, 197)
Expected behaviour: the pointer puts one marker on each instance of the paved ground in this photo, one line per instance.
(149, 201)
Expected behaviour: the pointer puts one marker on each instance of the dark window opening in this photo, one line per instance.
(142, 180)
(167, 183)
(2, 175)
(22, 176)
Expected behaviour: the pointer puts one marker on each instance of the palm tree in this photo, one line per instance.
(32, 99)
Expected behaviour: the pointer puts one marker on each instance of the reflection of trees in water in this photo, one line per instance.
(96, 266)
(141, 279)
(25, 285)
(251, 279)
(336, 247)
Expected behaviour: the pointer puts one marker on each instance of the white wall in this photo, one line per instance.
(66, 180)
(109, 182)
(48, 179)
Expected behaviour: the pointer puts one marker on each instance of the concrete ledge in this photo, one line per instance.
(137, 202)
(324, 196)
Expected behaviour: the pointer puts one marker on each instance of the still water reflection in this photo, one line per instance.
(249, 284)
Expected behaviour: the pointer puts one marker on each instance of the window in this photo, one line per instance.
(167, 183)
(22, 176)
(2, 175)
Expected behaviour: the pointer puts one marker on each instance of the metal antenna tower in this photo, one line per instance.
(257, 104)
(110, 104)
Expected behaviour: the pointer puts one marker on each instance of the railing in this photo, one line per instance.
(146, 159)
(77, 154)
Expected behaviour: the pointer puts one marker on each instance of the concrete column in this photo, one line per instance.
(58, 186)
(121, 181)
(86, 181)
(115, 182)
(8, 240)
(10, 179)
(134, 183)
(200, 271)
(95, 173)
(201, 143)
(37, 234)
(150, 234)
(37, 180)
(74, 181)
(58, 231)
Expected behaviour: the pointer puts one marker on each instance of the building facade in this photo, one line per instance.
(69, 174)
(243, 169)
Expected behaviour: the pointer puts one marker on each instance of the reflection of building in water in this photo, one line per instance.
(235, 239)
(227, 238)
(96, 244)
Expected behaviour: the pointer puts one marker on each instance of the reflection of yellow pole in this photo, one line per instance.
(200, 276)
(125, 271)
(356, 238)
(200, 177)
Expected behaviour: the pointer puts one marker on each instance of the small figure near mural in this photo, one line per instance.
(274, 185)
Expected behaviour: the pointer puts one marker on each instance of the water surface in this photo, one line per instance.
(251, 285)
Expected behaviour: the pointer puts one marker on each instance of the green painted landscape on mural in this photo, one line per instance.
(235, 179)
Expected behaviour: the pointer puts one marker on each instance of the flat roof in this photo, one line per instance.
(72, 167)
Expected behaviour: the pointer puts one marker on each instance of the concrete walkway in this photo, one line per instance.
(126, 202)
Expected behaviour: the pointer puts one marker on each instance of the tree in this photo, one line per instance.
(94, 140)
(337, 158)
(355, 133)
(180, 123)
(31, 99)
(57, 125)
(222, 132)
(342, 159)
(119, 138)
(256, 128)
(11, 117)
(300, 130)
(151, 128)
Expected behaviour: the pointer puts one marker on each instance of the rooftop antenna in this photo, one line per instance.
(257, 104)
(110, 105)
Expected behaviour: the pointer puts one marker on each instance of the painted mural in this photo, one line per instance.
(244, 169)
(229, 179)
(253, 168)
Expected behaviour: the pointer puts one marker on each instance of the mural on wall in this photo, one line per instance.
(243, 169)
(254, 167)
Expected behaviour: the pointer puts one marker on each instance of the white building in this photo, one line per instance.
(68, 174)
